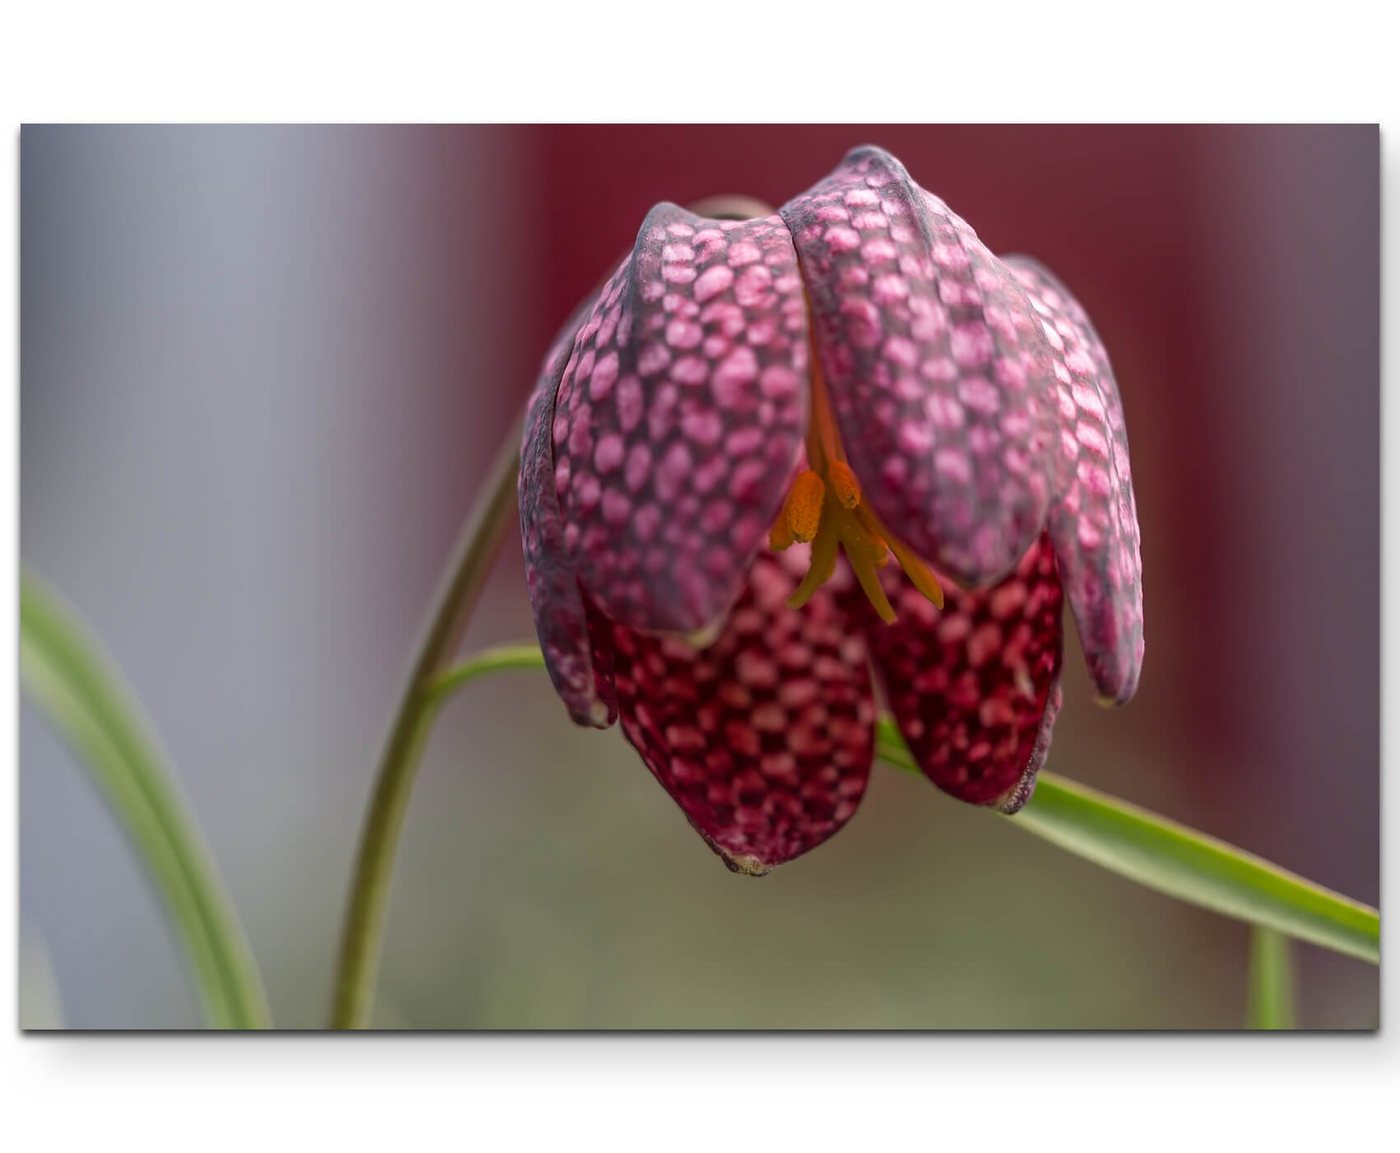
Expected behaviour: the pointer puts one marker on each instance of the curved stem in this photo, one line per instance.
(358, 961)
(522, 656)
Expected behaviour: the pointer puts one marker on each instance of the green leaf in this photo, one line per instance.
(69, 679)
(1173, 859)
(1146, 848)
(1270, 980)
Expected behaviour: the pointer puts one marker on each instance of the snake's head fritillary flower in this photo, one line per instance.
(770, 454)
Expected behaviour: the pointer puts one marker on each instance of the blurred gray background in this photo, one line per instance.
(263, 370)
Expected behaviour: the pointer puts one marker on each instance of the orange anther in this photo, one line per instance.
(803, 509)
(844, 485)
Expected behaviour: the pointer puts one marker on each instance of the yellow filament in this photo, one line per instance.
(822, 567)
(919, 574)
(870, 583)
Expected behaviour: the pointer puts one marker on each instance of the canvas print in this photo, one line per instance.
(710, 577)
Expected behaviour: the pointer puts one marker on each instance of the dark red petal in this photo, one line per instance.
(1093, 521)
(974, 687)
(680, 418)
(936, 365)
(765, 738)
(555, 600)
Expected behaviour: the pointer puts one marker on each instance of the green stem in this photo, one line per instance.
(487, 661)
(68, 677)
(1270, 981)
(358, 960)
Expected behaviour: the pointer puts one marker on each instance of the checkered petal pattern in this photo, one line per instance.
(975, 687)
(765, 738)
(680, 417)
(555, 598)
(936, 365)
(978, 412)
(1093, 520)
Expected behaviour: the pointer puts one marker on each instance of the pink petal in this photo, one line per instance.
(765, 738)
(680, 417)
(937, 369)
(555, 599)
(974, 688)
(1093, 521)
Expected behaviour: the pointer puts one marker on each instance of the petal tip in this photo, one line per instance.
(745, 865)
(1116, 680)
(1014, 801)
(1115, 700)
(587, 709)
(597, 716)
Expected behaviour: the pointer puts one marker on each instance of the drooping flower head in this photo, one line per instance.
(771, 453)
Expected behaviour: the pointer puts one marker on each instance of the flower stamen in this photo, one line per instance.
(803, 508)
(780, 535)
(844, 485)
(823, 564)
(825, 507)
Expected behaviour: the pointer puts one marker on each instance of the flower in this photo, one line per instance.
(731, 440)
